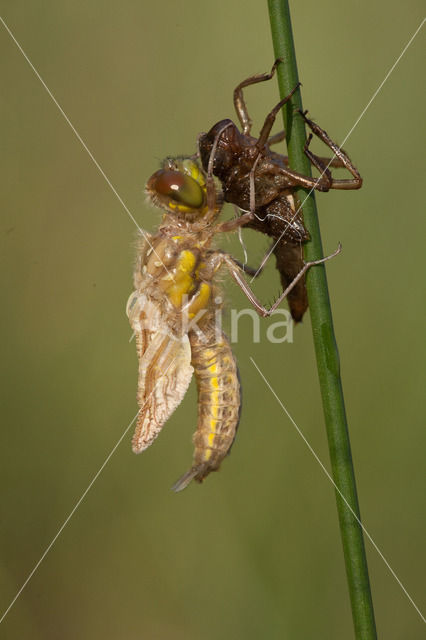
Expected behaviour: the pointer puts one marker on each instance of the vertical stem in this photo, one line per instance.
(324, 339)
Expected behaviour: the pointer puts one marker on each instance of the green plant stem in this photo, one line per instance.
(324, 338)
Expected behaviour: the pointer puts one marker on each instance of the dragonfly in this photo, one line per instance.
(173, 312)
(257, 180)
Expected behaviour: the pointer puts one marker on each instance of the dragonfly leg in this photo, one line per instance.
(258, 306)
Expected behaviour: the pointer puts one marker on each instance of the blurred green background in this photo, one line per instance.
(255, 551)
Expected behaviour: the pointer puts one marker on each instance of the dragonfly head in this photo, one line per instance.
(179, 188)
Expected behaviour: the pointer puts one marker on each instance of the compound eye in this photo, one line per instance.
(178, 187)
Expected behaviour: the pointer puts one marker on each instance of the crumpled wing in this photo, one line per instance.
(165, 369)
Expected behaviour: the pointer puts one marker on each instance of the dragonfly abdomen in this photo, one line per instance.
(219, 404)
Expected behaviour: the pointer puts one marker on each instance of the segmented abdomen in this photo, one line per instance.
(219, 404)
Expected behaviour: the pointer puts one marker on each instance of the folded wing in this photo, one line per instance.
(165, 369)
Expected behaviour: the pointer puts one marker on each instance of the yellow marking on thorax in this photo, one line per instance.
(200, 299)
(178, 289)
(183, 280)
(186, 261)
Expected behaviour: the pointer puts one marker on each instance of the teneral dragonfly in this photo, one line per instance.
(172, 312)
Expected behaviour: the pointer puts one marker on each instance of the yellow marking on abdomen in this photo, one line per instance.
(219, 398)
(213, 421)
